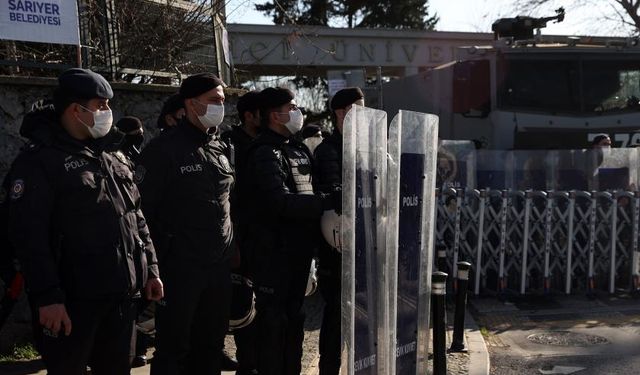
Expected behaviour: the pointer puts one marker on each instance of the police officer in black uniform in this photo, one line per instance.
(327, 175)
(172, 112)
(76, 224)
(284, 228)
(240, 138)
(186, 180)
(133, 138)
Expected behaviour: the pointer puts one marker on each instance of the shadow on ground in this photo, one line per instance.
(21, 367)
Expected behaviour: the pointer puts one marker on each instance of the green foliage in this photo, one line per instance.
(406, 14)
(396, 14)
(484, 332)
(20, 352)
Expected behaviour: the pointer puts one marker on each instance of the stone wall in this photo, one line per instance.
(143, 101)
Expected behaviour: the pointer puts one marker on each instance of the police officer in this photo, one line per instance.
(186, 179)
(311, 137)
(80, 236)
(133, 138)
(240, 138)
(284, 228)
(328, 174)
(172, 112)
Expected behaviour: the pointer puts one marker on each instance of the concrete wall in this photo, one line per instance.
(143, 101)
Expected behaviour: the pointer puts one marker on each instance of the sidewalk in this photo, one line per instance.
(476, 360)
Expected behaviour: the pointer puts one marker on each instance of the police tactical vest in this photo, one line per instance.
(300, 167)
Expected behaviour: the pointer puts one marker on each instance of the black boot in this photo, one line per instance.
(227, 363)
(142, 343)
(139, 361)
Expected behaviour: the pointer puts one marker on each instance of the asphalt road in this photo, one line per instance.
(504, 363)
(561, 335)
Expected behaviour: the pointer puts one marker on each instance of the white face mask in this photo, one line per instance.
(213, 117)
(102, 122)
(312, 143)
(295, 121)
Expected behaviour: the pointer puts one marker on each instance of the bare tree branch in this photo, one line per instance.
(626, 12)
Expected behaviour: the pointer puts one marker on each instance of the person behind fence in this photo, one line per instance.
(186, 180)
(171, 113)
(327, 175)
(76, 225)
(284, 227)
(601, 141)
(240, 138)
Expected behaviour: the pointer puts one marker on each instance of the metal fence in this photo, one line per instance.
(541, 241)
(140, 41)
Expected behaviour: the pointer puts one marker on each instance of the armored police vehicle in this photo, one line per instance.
(527, 91)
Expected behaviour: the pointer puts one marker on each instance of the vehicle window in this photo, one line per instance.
(611, 86)
(545, 85)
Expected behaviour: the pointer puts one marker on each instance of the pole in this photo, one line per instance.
(438, 294)
(379, 84)
(441, 250)
(457, 345)
(79, 56)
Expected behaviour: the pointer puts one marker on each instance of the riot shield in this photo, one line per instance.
(413, 150)
(491, 169)
(456, 164)
(527, 170)
(614, 169)
(365, 283)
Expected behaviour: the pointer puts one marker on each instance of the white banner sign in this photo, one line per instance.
(44, 21)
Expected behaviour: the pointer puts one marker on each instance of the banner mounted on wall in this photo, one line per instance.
(44, 21)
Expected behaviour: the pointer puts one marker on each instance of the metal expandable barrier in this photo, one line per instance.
(539, 241)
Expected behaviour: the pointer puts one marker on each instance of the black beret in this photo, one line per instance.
(83, 84)
(173, 103)
(345, 97)
(249, 102)
(310, 131)
(198, 84)
(273, 97)
(129, 125)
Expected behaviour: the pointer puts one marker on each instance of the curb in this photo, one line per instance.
(478, 353)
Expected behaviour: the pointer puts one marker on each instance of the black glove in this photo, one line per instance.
(336, 197)
(333, 200)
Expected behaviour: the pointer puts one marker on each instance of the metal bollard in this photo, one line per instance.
(457, 345)
(438, 294)
(441, 253)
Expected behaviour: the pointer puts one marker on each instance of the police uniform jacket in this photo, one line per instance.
(328, 163)
(285, 221)
(186, 179)
(239, 143)
(75, 217)
(328, 173)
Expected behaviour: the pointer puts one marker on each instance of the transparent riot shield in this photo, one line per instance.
(365, 283)
(456, 164)
(491, 169)
(528, 170)
(614, 169)
(413, 151)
